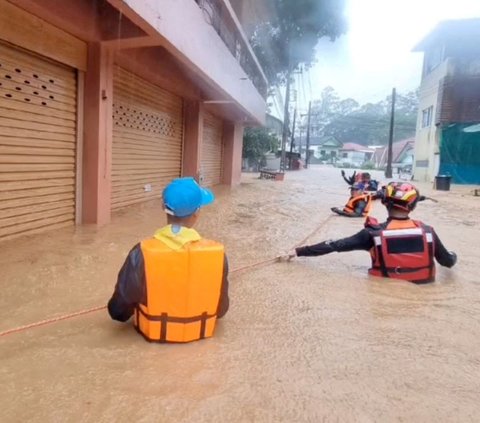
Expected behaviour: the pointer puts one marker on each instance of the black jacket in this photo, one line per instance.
(363, 240)
(131, 283)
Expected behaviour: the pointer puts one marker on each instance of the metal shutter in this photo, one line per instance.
(147, 139)
(38, 103)
(212, 150)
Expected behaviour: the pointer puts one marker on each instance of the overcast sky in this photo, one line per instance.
(375, 55)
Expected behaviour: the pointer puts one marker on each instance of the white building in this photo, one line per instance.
(449, 96)
(354, 154)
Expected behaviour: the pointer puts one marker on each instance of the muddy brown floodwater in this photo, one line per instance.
(312, 340)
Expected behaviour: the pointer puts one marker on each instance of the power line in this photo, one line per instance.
(309, 84)
(302, 75)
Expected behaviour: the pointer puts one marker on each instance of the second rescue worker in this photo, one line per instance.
(400, 248)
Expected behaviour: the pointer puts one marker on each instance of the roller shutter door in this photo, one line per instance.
(212, 150)
(37, 143)
(147, 139)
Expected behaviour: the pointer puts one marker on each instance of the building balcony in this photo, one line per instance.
(221, 16)
(458, 100)
(200, 40)
(207, 39)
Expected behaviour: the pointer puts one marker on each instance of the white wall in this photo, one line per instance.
(319, 148)
(427, 139)
(204, 52)
(273, 162)
(356, 158)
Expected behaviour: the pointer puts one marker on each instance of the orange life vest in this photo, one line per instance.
(403, 250)
(183, 290)
(353, 201)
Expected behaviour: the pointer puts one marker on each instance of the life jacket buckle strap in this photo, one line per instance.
(401, 270)
(173, 319)
(163, 327)
(203, 324)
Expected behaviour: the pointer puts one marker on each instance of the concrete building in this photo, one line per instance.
(251, 13)
(354, 154)
(449, 103)
(402, 155)
(102, 102)
(323, 149)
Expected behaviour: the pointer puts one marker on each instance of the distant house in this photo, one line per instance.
(323, 149)
(354, 154)
(448, 131)
(402, 154)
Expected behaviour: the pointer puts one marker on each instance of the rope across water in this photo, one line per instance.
(103, 307)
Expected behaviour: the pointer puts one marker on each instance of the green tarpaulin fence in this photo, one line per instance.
(460, 153)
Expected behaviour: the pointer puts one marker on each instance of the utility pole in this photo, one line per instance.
(388, 171)
(307, 155)
(286, 122)
(292, 139)
(300, 130)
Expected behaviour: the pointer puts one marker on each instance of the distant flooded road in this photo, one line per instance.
(312, 340)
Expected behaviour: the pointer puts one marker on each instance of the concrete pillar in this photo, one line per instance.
(232, 159)
(192, 140)
(97, 142)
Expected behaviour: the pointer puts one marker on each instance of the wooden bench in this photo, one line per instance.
(271, 174)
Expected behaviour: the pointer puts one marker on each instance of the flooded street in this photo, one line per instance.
(312, 340)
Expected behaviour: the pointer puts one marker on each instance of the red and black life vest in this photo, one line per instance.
(403, 250)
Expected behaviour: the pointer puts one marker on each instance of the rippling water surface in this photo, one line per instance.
(312, 340)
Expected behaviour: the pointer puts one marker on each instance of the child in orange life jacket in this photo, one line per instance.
(359, 203)
(175, 283)
(400, 248)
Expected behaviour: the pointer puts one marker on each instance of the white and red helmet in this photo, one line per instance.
(402, 195)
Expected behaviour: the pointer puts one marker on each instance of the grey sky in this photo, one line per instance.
(375, 55)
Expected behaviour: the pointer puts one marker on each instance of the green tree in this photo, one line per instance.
(328, 108)
(370, 123)
(288, 41)
(347, 106)
(257, 142)
(289, 38)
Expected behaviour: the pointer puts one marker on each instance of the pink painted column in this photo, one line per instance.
(97, 142)
(232, 153)
(193, 136)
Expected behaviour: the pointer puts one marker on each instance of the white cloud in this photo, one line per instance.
(375, 55)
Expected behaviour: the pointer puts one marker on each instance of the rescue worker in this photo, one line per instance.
(400, 248)
(362, 178)
(359, 203)
(174, 284)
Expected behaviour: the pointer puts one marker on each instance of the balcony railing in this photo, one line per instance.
(222, 19)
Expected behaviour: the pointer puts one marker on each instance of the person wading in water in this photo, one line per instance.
(400, 248)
